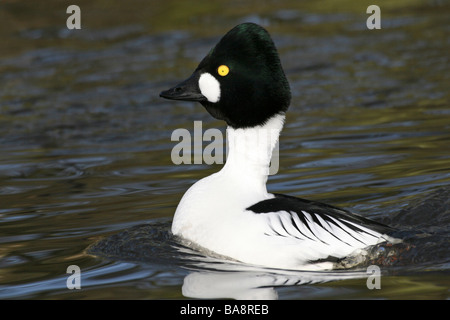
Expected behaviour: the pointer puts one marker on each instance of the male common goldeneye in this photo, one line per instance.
(241, 81)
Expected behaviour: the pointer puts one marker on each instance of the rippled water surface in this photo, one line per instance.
(86, 143)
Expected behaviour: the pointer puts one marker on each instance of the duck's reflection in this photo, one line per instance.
(218, 279)
(234, 285)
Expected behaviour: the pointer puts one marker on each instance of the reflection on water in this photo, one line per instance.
(86, 143)
(254, 285)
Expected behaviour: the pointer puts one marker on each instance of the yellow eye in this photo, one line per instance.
(223, 70)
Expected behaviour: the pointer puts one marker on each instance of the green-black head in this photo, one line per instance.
(241, 80)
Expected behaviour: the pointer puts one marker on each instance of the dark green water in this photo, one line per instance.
(86, 141)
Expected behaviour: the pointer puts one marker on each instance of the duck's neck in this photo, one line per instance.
(250, 150)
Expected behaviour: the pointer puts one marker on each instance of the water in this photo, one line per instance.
(85, 143)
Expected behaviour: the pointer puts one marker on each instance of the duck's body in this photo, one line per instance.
(230, 212)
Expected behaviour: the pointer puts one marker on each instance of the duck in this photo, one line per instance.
(230, 213)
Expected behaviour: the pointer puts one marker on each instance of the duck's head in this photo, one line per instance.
(240, 81)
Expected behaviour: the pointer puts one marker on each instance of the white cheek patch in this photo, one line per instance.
(209, 87)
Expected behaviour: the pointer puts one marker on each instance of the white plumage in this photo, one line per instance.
(214, 213)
